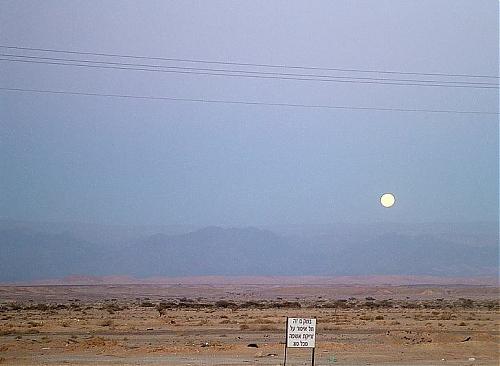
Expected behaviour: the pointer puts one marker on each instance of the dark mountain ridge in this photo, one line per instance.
(31, 254)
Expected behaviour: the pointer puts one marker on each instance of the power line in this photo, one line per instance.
(250, 103)
(249, 76)
(283, 66)
(302, 76)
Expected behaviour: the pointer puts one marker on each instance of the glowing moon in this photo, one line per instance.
(387, 200)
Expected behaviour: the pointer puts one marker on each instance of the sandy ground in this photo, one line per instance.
(214, 325)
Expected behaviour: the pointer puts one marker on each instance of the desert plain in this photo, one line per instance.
(244, 324)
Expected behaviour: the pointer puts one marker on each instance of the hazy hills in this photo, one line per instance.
(33, 251)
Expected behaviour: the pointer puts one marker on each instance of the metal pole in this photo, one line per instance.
(286, 341)
(314, 348)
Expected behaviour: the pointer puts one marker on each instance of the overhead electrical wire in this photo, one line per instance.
(250, 103)
(209, 73)
(243, 73)
(283, 66)
(236, 73)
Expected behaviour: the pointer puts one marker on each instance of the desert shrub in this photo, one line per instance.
(386, 303)
(42, 307)
(418, 317)
(379, 317)
(285, 304)
(491, 304)
(112, 307)
(447, 316)
(253, 304)
(193, 305)
(106, 323)
(225, 304)
(162, 307)
(147, 304)
(4, 332)
(465, 303)
(96, 342)
(75, 307)
(15, 306)
(371, 304)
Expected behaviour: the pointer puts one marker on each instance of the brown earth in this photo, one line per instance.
(214, 324)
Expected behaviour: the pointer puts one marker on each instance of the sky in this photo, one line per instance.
(129, 161)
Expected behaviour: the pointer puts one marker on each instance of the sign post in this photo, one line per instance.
(300, 333)
(286, 341)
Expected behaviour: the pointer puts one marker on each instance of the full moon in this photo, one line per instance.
(387, 200)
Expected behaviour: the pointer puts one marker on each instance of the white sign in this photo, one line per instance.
(301, 333)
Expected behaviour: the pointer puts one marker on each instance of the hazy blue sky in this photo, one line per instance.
(126, 161)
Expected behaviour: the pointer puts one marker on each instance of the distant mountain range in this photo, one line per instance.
(35, 251)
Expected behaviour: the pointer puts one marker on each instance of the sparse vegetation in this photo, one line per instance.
(106, 323)
(404, 321)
